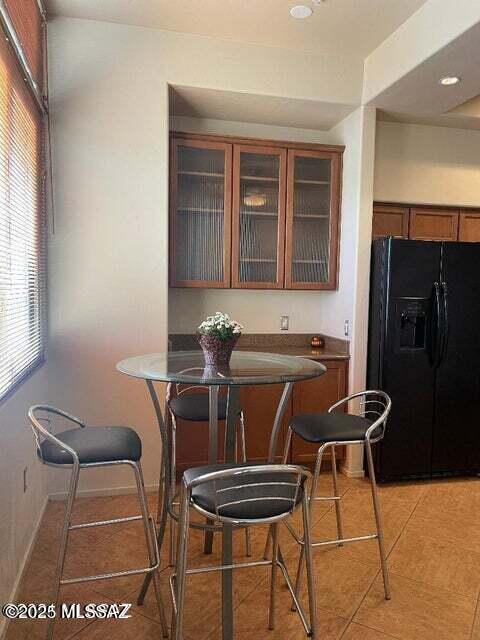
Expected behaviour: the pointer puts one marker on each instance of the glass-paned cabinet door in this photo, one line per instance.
(200, 213)
(312, 219)
(258, 222)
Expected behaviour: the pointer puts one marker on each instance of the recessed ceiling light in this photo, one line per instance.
(447, 81)
(301, 11)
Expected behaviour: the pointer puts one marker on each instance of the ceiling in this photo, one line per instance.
(446, 120)
(469, 109)
(419, 98)
(354, 27)
(197, 102)
(463, 116)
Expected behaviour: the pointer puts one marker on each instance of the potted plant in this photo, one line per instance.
(218, 335)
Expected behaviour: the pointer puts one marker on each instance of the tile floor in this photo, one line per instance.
(433, 540)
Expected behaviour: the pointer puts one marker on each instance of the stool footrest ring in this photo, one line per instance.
(102, 523)
(127, 572)
(244, 565)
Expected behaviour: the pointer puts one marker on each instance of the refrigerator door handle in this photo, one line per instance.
(444, 291)
(437, 327)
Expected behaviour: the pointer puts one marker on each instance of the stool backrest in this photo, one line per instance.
(254, 486)
(42, 432)
(374, 405)
(177, 389)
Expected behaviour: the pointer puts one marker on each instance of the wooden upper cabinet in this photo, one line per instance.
(426, 223)
(253, 215)
(433, 224)
(200, 213)
(389, 220)
(313, 206)
(469, 226)
(258, 222)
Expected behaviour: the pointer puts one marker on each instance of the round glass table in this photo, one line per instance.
(245, 368)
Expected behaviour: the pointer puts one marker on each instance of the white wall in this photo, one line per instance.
(108, 257)
(427, 165)
(108, 287)
(250, 130)
(19, 511)
(358, 131)
(259, 311)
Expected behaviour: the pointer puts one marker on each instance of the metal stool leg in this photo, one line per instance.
(378, 520)
(161, 479)
(311, 502)
(312, 603)
(72, 490)
(288, 444)
(162, 473)
(338, 512)
(164, 496)
(271, 615)
(286, 452)
(160, 536)
(150, 544)
(173, 484)
(243, 448)
(181, 568)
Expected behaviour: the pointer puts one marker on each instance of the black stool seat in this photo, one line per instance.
(330, 427)
(194, 407)
(265, 502)
(95, 444)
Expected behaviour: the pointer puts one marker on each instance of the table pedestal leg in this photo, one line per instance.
(164, 480)
(272, 448)
(233, 409)
(212, 449)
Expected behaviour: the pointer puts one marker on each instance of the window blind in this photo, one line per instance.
(21, 237)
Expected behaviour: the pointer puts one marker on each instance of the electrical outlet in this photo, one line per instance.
(284, 322)
(25, 486)
(346, 328)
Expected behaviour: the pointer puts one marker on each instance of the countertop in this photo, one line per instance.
(289, 345)
(301, 351)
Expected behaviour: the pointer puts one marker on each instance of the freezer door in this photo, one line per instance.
(456, 436)
(410, 345)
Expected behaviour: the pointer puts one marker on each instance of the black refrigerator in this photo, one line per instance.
(424, 351)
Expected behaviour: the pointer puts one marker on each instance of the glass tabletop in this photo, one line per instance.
(245, 367)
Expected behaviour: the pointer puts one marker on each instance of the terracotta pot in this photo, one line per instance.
(216, 351)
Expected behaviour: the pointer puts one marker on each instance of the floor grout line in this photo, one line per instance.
(477, 610)
(379, 571)
(366, 626)
(350, 620)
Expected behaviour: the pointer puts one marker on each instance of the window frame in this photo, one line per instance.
(18, 95)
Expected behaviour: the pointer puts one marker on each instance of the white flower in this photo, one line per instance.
(221, 326)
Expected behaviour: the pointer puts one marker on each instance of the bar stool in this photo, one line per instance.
(188, 404)
(242, 495)
(329, 430)
(84, 448)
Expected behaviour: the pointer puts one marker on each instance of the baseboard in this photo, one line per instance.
(5, 621)
(99, 493)
(350, 473)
